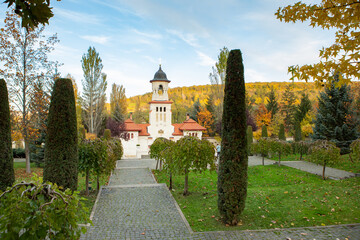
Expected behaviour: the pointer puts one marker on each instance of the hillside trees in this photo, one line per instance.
(6, 155)
(232, 179)
(343, 55)
(288, 107)
(94, 87)
(24, 54)
(333, 119)
(272, 105)
(61, 145)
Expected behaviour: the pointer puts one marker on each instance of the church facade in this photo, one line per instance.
(141, 136)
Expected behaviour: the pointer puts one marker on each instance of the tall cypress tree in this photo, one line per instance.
(7, 176)
(282, 132)
(333, 121)
(61, 149)
(232, 180)
(272, 104)
(264, 132)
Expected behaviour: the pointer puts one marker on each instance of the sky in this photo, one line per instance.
(133, 37)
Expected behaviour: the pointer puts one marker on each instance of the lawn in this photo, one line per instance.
(278, 197)
(21, 175)
(345, 163)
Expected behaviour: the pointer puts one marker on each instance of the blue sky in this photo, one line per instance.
(132, 36)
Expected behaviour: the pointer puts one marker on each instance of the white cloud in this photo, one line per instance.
(96, 39)
(186, 37)
(147, 35)
(77, 16)
(205, 60)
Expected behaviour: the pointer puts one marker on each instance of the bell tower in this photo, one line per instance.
(160, 107)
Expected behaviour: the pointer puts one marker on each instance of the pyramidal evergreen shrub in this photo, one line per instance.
(282, 132)
(7, 176)
(61, 144)
(232, 179)
(264, 132)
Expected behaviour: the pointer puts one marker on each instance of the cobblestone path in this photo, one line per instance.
(133, 206)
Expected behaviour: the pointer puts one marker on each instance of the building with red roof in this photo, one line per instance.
(141, 136)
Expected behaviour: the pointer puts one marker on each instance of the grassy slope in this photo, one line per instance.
(277, 197)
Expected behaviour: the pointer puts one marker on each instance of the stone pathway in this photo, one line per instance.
(134, 206)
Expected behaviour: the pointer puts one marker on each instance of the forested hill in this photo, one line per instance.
(257, 92)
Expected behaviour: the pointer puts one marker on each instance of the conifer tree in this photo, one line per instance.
(303, 108)
(297, 135)
(6, 158)
(333, 119)
(61, 144)
(288, 106)
(272, 104)
(282, 132)
(232, 180)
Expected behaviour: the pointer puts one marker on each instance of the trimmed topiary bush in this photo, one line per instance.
(107, 134)
(232, 179)
(282, 132)
(6, 155)
(250, 139)
(297, 136)
(264, 132)
(61, 144)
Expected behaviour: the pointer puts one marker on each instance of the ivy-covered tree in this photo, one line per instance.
(61, 144)
(6, 157)
(232, 179)
(333, 118)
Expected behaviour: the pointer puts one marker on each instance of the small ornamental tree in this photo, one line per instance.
(37, 210)
(264, 132)
(61, 144)
(6, 156)
(324, 153)
(301, 148)
(192, 153)
(355, 151)
(167, 157)
(250, 139)
(87, 159)
(282, 132)
(279, 148)
(156, 148)
(261, 147)
(233, 164)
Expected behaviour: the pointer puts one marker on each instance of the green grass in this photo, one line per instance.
(345, 163)
(278, 197)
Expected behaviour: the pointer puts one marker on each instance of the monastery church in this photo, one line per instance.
(141, 136)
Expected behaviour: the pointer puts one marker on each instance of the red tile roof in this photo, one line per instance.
(144, 131)
(191, 125)
(187, 125)
(131, 126)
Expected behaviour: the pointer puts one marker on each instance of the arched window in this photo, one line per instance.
(160, 90)
(132, 135)
(160, 109)
(164, 109)
(157, 109)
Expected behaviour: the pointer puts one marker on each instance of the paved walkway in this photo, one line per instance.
(134, 206)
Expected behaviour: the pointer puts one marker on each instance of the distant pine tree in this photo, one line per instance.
(196, 108)
(61, 144)
(232, 180)
(333, 119)
(6, 156)
(272, 104)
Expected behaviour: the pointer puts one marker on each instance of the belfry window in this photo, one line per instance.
(160, 109)
(160, 90)
(164, 109)
(157, 109)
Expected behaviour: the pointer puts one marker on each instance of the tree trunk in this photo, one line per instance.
(279, 159)
(324, 170)
(97, 183)
(157, 164)
(186, 185)
(87, 183)
(170, 184)
(301, 155)
(263, 161)
(27, 156)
